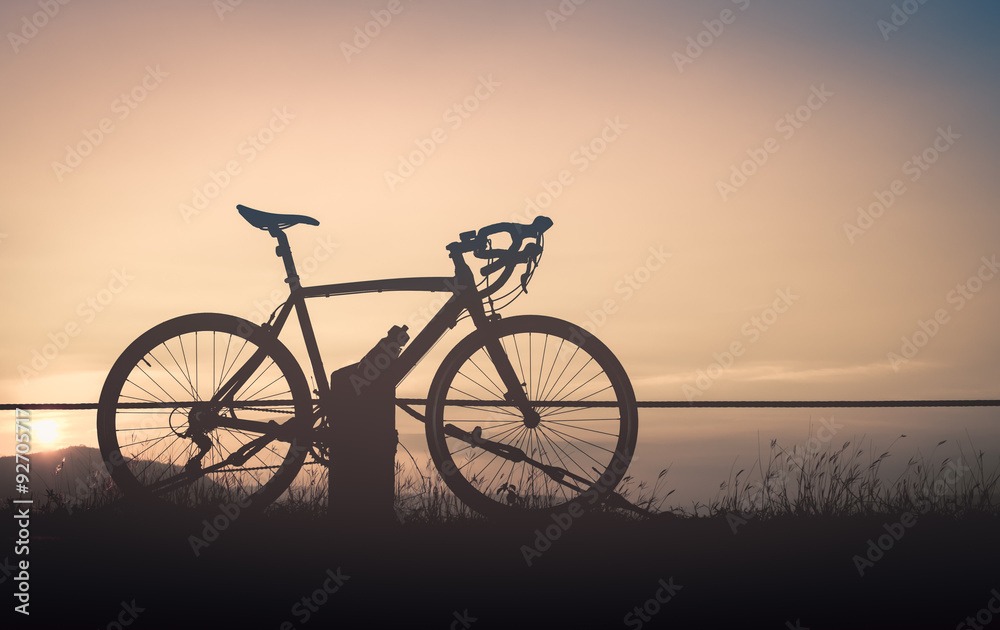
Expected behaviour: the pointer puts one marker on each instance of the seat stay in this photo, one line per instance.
(226, 392)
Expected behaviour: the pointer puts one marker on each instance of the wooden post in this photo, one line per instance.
(363, 439)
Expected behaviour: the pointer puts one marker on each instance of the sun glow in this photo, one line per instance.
(45, 431)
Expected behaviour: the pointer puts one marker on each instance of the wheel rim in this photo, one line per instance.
(581, 421)
(156, 421)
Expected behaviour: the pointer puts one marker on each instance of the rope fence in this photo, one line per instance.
(661, 404)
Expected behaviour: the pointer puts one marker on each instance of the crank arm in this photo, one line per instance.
(514, 454)
(558, 474)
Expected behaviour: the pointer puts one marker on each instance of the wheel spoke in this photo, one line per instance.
(181, 364)
(565, 377)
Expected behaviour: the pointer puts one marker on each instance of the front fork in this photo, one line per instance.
(515, 391)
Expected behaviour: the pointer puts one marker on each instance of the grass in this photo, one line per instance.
(797, 555)
(848, 481)
(844, 481)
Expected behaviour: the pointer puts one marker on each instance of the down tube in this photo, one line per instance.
(435, 329)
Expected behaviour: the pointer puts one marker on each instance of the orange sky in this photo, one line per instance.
(737, 139)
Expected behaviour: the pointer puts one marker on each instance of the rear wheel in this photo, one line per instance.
(164, 440)
(577, 434)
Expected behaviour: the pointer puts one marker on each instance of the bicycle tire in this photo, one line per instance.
(182, 363)
(587, 419)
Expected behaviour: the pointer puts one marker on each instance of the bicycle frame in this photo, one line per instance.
(332, 407)
(465, 297)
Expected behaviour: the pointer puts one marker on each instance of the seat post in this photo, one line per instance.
(284, 252)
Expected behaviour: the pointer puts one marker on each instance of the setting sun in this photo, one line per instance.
(45, 431)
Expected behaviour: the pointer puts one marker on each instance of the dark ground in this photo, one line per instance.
(780, 574)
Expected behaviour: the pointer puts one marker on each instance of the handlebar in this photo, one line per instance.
(478, 243)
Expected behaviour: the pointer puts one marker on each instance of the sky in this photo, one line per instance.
(752, 199)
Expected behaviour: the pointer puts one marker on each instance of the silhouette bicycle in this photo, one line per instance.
(525, 414)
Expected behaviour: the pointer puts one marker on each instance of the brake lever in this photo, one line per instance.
(532, 251)
(527, 274)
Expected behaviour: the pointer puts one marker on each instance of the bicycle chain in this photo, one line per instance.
(267, 410)
(318, 456)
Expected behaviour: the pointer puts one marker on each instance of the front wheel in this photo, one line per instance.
(165, 440)
(571, 442)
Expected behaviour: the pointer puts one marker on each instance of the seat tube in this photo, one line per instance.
(284, 251)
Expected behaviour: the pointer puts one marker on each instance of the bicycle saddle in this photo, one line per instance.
(271, 221)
